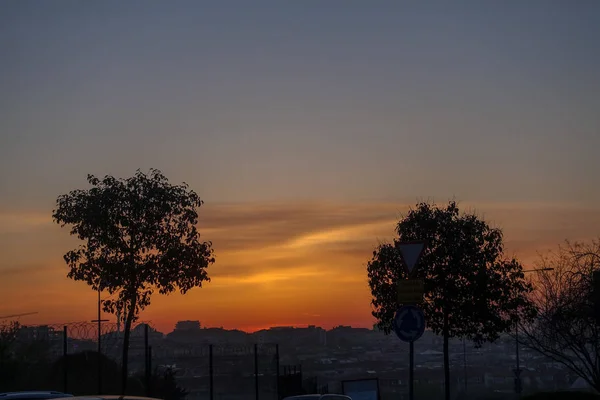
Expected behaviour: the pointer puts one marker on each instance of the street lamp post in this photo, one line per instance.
(517, 370)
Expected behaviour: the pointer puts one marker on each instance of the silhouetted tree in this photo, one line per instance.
(140, 236)
(167, 387)
(82, 373)
(471, 290)
(8, 367)
(8, 335)
(25, 357)
(567, 327)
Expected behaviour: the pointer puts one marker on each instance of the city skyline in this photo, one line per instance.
(306, 129)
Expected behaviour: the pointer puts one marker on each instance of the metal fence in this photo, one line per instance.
(221, 371)
(73, 358)
(65, 357)
(68, 357)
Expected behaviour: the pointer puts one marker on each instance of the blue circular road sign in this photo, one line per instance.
(409, 323)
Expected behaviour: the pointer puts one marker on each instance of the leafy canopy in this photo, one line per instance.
(465, 275)
(140, 235)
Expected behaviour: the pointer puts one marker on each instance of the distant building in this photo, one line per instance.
(346, 336)
(42, 332)
(187, 326)
(293, 337)
(139, 331)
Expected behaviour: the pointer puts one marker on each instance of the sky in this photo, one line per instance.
(307, 128)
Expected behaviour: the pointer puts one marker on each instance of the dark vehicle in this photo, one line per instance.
(110, 397)
(34, 395)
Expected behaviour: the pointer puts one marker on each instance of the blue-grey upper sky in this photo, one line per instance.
(255, 100)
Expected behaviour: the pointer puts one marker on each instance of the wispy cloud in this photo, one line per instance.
(278, 258)
(23, 221)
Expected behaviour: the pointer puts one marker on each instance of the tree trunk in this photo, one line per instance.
(446, 358)
(595, 380)
(126, 335)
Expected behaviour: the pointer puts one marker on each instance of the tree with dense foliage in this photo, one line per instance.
(567, 327)
(471, 290)
(139, 236)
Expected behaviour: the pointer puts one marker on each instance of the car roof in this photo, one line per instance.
(110, 397)
(315, 396)
(35, 394)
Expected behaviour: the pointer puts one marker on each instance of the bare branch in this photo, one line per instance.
(566, 329)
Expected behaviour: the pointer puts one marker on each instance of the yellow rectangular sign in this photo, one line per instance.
(411, 291)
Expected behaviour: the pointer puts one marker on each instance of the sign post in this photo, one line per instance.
(409, 321)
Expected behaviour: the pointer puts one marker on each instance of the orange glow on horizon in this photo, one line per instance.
(277, 265)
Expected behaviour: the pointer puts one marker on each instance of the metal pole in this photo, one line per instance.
(518, 370)
(150, 369)
(517, 343)
(99, 345)
(99, 321)
(65, 361)
(210, 371)
(256, 370)
(465, 362)
(146, 360)
(411, 376)
(277, 367)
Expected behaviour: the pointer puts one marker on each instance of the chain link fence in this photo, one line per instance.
(73, 358)
(68, 357)
(221, 371)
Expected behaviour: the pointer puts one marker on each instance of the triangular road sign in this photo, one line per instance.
(411, 252)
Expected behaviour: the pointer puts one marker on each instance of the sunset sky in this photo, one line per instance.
(307, 128)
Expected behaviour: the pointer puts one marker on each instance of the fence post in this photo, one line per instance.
(146, 360)
(256, 370)
(210, 371)
(149, 366)
(65, 361)
(277, 367)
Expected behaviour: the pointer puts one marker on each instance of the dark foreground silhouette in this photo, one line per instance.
(82, 377)
(566, 395)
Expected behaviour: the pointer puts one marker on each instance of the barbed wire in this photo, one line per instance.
(233, 364)
(111, 332)
(191, 358)
(83, 330)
